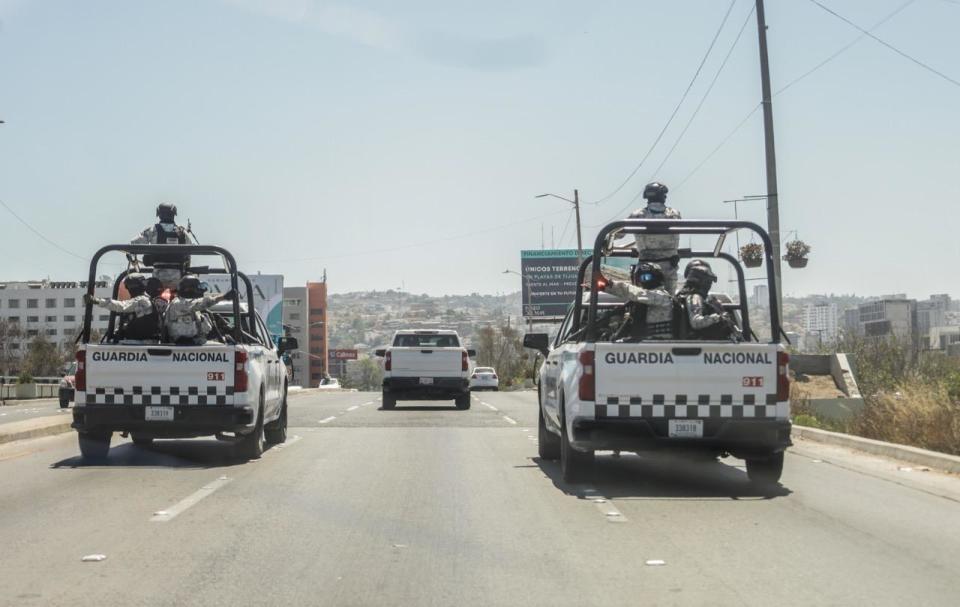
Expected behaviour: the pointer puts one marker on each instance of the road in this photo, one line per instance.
(427, 505)
(43, 408)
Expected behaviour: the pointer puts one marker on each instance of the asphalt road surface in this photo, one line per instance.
(427, 505)
(43, 408)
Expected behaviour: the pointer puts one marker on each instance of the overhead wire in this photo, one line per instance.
(887, 44)
(696, 111)
(673, 114)
(794, 81)
(37, 232)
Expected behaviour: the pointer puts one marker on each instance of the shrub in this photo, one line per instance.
(919, 414)
(25, 378)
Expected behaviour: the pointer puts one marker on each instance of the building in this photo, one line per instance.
(942, 338)
(761, 297)
(888, 318)
(934, 312)
(54, 309)
(820, 323)
(305, 318)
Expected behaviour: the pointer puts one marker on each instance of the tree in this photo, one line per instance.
(365, 375)
(42, 358)
(502, 348)
(10, 336)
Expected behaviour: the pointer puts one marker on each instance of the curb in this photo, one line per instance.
(913, 455)
(35, 428)
(9, 402)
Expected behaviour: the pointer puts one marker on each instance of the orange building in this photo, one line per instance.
(317, 327)
(305, 317)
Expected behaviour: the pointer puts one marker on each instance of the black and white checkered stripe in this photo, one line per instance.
(156, 395)
(681, 406)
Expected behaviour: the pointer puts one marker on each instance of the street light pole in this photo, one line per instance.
(576, 207)
(773, 209)
(529, 305)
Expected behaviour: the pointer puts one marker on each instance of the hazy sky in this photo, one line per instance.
(403, 142)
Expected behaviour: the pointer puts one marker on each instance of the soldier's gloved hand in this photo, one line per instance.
(89, 299)
(601, 282)
(230, 295)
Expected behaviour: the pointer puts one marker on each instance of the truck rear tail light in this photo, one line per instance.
(387, 362)
(80, 377)
(783, 376)
(240, 378)
(494, 376)
(588, 379)
(474, 376)
(464, 361)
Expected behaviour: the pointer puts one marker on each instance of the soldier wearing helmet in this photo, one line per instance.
(649, 312)
(706, 316)
(659, 248)
(139, 317)
(185, 321)
(169, 268)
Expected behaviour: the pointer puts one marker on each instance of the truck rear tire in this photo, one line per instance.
(576, 466)
(251, 446)
(548, 443)
(765, 471)
(94, 446)
(276, 431)
(463, 401)
(389, 401)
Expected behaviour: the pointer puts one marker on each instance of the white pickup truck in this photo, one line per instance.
(233, 387)
(720, 397)
(426, 365)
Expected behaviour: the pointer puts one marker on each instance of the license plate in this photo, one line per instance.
(685, 428)
(158, 414)
(426, 381)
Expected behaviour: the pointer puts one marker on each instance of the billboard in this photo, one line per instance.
(549, 282)
(267, 291)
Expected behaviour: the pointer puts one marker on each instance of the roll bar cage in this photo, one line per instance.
(720, 228)
(185, 250)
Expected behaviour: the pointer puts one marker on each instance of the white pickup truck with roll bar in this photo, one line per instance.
(719, 397)
(233, 387)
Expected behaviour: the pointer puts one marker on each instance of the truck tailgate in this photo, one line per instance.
(687, 380)
(426, 362)
(158, 375)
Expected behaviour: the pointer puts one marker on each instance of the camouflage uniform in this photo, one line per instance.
(658, 301)
(659, 248)
(138, 306)
(169, 276)
(184, 320)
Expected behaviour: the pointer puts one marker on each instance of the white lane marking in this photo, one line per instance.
(328, 419)
(162, 516)
(509, 420)
(489, 406)
(353, 408)
(369, 402)
(604, 505)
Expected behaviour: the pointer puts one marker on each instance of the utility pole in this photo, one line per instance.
(773, 209)
(576, 208)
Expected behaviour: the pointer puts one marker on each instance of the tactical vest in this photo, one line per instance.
(174, 236)
(638, 327)
(718, 331)
(148, 326)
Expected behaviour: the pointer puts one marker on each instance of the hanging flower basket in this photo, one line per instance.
(797, 252)
(752, 255)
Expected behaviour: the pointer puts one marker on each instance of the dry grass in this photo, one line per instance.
(917, 414)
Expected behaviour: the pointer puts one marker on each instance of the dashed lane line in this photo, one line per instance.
(353, 408)
(509, 420)
(489, 406)
(327, 420)
(162, 516)
(604, 505)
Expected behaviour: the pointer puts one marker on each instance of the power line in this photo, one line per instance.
(887, 44)
(804, 75)
(37, 232)
(675, 110)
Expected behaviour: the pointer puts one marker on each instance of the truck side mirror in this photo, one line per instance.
(380, 352)
(472, 353)
(287, 344)
(537, 341)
